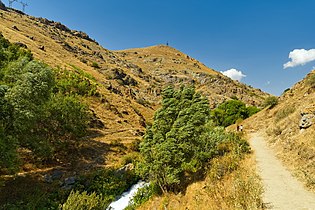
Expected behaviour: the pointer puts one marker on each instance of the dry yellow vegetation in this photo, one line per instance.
(239, 189)
(129, 85)
(281, 125)
(129, 82)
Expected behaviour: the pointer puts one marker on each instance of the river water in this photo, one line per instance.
(127, 196)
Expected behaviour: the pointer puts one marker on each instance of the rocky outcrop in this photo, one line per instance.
(308, 117)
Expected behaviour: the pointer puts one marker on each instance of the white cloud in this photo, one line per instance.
(234, 74)
(300, 57)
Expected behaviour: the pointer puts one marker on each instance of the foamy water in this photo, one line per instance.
(123, 201)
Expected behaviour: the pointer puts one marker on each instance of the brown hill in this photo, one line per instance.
(170, 66)
(289, 126)
(129, 82)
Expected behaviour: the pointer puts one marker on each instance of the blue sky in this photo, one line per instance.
(251, 36)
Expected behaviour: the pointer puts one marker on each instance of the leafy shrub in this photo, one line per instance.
(95, 65)
(83, 201)
(143, 195)
(229, 112)
(251, 110)
(135, 145)
(109, 183)
(132, 157)
(67, 115)
(311, 81)
(270, 102)
(73, 83)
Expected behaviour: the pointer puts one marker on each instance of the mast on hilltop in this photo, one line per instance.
(11, 2)
(24, 4)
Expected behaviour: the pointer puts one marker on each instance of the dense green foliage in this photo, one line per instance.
(108, 183)
(75, 82)
(33, 116)
(83, 201)
(181, 140)
(229, 112)
(143, 195)
(270, 102)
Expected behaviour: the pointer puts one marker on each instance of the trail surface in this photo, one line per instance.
(282, 190)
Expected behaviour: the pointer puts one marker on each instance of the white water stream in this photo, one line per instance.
(123, 201)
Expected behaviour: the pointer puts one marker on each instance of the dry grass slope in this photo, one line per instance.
(281, 125)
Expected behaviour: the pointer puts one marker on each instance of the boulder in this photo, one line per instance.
(70, 181)
(307, 117)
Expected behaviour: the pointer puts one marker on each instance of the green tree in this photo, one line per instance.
(177, 144)
(33, 114)
(228, 112)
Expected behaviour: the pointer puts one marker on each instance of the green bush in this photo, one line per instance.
(311, 80)
(83, 201)
(73, 83)
(95, 65)
(230, 111)
(143, 195)
(109, 183)
(270, 102)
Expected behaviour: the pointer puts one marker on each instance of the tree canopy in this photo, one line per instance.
(180, 140)
(32, 115)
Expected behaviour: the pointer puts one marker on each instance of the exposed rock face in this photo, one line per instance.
(308, 117)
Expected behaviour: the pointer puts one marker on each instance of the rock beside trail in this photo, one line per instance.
(308, 117)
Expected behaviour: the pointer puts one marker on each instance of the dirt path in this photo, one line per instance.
(282, 190)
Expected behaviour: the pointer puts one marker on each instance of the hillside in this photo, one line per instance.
(289, 127)
(170, 66)
(129, 82)
(122, 90)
